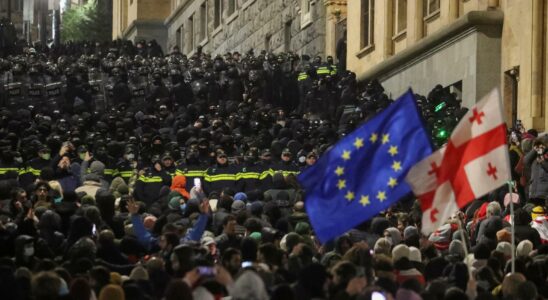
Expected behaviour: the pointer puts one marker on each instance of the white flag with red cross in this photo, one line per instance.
(473, 163)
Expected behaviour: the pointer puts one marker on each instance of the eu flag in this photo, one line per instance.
(363, 174)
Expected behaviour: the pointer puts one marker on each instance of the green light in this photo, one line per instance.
(442, 133)
(439, 107)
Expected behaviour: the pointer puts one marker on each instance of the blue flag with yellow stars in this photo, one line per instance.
(363, 174)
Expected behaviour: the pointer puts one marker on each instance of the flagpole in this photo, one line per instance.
(512, 229)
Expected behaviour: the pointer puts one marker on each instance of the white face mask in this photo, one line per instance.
(130, 156)
(28, 251)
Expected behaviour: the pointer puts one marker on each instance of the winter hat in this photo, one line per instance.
(257, 236)
(399, 252)
(415, 254)
(175, 202)
(118, 187)
(289, 241)
(410, 231)
(481, 251)
(524, 248)
(138, 273)
(256, 208)
(249, 285)
(538, 211)
(382, 246)
(238, 206)
(302, 228)
(505, 248)
(87, 200)
(179, 184)
(456, 248)
(395, 235)
(240, 196)
(207, 240)
(97, 168)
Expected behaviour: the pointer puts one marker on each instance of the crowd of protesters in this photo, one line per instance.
(129, 174)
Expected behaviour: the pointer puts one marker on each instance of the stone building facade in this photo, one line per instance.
(467, 46)
(140, 20)
(241, 25)
(303, 26)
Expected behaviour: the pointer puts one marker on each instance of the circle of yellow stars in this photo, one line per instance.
(346, 156)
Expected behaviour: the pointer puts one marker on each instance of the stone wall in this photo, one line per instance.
(250, 25)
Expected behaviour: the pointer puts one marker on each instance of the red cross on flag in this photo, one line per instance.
(473, 163)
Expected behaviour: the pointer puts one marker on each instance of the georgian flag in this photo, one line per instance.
(473, 163)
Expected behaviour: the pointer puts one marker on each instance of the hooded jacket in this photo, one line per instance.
(179, 184)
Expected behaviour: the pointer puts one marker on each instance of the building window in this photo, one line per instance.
(190, 34)
(16, 5)
(181, 39)
(218, 13)
(203, 21)
(287, 36)
(367, 28)
(231, 7)
(267, 42)
(430, 7)
(306, 12)
(399, 14)
(178, 40)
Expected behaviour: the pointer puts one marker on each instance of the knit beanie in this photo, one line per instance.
(257, 236)
(399, 252)
(174, 202)
(289, 241)
(139, 273)
(238, 206)
(97, 168)
(456, 248)
(395, 235)
(524, 248)
(302, 228)
(505, 248)
(415, 254)
(240, 196)
(538, 211)
(410, 231)
(87, 200)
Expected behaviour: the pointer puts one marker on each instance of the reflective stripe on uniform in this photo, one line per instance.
(5, 170)
(191, 173)
(152, 179)
(126, 174)
(302, 76)
(248, 175)
(219, 177)
(323, 71)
